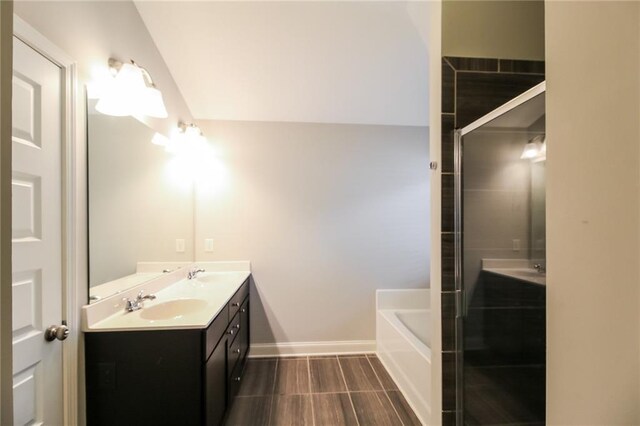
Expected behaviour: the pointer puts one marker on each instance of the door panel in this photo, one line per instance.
(501, 365)
(36, 236)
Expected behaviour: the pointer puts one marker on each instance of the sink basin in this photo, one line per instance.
(173, 309)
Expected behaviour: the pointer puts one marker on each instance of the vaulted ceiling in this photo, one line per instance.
(321, 62)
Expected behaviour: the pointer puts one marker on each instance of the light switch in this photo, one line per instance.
(516, 245)
(180, 245)
(208, 245)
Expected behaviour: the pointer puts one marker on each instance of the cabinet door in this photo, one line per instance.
(244, 330)
(215, 401)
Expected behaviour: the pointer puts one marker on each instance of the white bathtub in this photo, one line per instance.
(403, 339)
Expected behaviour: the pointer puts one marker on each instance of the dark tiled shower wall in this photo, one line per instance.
(471, 87)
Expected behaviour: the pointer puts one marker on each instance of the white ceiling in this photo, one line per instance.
(322, 62)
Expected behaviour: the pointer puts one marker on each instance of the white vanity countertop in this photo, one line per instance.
(520, 274)
(211, 290)
(514, 268)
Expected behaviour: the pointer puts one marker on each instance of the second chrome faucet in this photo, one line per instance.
(538, 267)
(194, 272)
(131, 305)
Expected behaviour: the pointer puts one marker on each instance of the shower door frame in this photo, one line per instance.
(460, 303)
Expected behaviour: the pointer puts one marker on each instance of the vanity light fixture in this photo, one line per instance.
(535, 150)
(131, 92)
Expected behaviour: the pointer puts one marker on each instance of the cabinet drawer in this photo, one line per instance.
(235, 350)
(215, 331)
(236, 300)
(234, 329)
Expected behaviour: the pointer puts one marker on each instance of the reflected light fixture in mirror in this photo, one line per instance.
(130, 92)
(186, 138)
(160, 140)
(194, 159)
(535, 150)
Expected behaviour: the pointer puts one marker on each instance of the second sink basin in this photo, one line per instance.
(173, 309)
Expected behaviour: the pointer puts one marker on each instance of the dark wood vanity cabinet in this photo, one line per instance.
(168, 377)
(216, 386)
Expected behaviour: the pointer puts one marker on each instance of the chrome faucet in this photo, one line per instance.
(131, 305)
(538, 267)
(194, 272)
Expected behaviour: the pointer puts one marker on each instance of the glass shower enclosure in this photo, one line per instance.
(501, 264)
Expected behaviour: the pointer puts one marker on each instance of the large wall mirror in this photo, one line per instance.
(140, 219)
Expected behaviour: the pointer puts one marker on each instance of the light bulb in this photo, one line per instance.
(531, 150)
(130, 79)
(128, 94)
(535, 150)
(152, 104)
(192, 131)
(115, 101)
(124, 94)
(160, 139)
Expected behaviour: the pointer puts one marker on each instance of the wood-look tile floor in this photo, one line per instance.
(319, 391)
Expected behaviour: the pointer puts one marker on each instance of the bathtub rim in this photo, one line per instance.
(390, 316)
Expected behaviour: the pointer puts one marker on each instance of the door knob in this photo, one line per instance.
(54, 332)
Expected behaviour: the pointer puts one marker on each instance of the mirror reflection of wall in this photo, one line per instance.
(504, 193)
(496, 199)
(136, 212)
(538, 219)
(537, 238)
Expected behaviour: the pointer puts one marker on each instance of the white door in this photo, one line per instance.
(37, 236)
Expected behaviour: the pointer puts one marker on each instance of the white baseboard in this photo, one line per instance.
(260, 350)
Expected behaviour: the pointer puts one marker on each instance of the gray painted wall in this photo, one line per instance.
(327, 214)
(497, 205)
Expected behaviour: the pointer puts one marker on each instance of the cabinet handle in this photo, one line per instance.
(237, 326)
(231, 332)
(244, 310)
(235, 304)
(237, 351)
(237, 379)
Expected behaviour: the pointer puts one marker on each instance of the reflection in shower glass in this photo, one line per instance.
(502, 264)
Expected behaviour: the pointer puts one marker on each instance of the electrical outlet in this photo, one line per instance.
(180, 245)
(208, 245)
